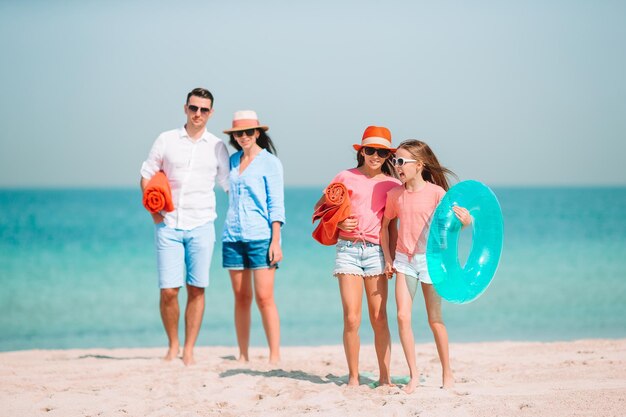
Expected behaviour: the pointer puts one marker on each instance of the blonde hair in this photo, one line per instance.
(433, 171)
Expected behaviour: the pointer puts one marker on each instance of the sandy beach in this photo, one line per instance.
(579, 378)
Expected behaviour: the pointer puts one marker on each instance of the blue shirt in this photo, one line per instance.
(256, 198)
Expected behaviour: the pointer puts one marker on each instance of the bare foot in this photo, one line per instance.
(274, 360)
(353, 381)
(242, 359)
(448, 381)
(385, 381)
(172, 353)
(274, 356)
(410, 387)
(188, 358)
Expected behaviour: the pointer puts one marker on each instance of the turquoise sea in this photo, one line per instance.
(77, 270)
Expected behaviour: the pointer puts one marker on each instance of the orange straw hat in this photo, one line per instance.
(244, 120)
(376, 137)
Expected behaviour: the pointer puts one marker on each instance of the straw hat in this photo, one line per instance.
(376, 137)
(245, 119)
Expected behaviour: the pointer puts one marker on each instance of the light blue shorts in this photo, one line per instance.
(358, 258)
(184, 256)
(414, 270)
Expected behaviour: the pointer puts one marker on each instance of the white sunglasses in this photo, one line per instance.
(401, 161)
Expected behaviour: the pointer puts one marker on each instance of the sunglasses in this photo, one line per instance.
(401, 161)
(194, 109)
(383, 153)
(241, 133)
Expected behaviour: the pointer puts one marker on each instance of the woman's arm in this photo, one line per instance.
(388, 236)
(276, 252)
(276, 209)
(346, 225)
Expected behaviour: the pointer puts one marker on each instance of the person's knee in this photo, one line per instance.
(435, 322)
(243, 297)
(194, 292)
(264, 301)
(379, 320)
(352, 321)
(169, 295)
(404, 318)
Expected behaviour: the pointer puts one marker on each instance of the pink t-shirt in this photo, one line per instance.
(414, 210)
(367, 202)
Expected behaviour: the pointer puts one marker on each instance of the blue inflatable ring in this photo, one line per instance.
(452, 282)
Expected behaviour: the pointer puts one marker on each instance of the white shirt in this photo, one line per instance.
(192, 168)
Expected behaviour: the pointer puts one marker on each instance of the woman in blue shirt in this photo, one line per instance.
(251, 239)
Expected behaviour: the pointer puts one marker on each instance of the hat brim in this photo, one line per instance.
(239, 129)
(358, 147)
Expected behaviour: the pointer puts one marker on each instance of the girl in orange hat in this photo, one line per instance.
(359, 261)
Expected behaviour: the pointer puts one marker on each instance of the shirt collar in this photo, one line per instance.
(182, 132)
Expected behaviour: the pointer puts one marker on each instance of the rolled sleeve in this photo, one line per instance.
(274, 186)
(155, 159)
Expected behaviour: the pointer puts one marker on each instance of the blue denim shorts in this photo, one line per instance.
(358, 258)
(416, 267)
(414, 270)
(184, 256)
(246, 255)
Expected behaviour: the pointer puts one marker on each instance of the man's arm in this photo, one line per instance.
(156, 217)
(150, 167)
(223, 166)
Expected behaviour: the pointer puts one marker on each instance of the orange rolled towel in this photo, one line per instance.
(334, 209)
(157, 195)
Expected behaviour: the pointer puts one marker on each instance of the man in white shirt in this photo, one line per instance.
(193, 161)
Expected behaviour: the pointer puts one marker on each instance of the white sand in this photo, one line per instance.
(581, 378)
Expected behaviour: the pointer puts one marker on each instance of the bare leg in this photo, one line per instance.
(404, 302)
(351, 289)
(264, 294)
(242, 288)
(435, 320)
(193, 321)
(169, 315)
(376, 289)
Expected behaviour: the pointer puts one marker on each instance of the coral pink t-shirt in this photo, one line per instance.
(414, 210)
(367, 202)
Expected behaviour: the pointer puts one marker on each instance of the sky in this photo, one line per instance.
(509, 93)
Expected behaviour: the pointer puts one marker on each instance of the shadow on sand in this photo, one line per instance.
(115, 358)
(366, 379)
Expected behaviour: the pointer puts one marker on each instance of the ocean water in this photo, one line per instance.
(78, 270)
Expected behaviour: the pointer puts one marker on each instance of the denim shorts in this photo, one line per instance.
(359, 258)
(246, 255)
(184, 255)
(414, 270)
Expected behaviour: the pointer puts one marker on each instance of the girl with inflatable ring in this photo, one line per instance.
(424, 184)
(359, 261)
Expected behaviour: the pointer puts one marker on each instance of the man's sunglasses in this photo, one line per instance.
(241, 133)
(194, 109)
(383, 153)
(401, 161)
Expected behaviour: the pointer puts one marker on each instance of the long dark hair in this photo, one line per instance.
(433, 171)
(264, 141)
(387, 167)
